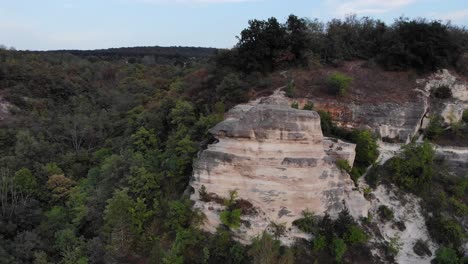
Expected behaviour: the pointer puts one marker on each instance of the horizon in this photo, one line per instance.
(89, 25)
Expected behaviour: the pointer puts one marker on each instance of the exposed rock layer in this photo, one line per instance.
(277, 159)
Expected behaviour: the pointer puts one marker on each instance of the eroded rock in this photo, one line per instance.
(277, 159)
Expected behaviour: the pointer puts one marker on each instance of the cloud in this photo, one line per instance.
(191, 1)
(343, 7)
(459, 15)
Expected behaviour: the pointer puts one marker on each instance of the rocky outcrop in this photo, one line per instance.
(278, 161)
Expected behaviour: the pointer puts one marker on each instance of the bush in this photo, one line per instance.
(443, 92)
(413, 169)
(385, 213)
(339, 83)
(295, 105)
(367, 150)
(343, 165)
(230, 218)
(326, 123)
(446, 231)
(308, 106)
(319, 243)
(307, 223)
(339, 249)
(434, 130)
(446, 255)
(355, 235)
(465, 116)
(290, 89)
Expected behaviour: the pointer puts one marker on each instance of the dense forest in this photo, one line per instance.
(97, 150)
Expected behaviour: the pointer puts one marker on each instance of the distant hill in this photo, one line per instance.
(140, 52)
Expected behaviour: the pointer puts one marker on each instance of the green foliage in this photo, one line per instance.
(366, 147)
(326, 123)
(319, 243)
(308, 106)
(230, 218)
(145, 140)
(434, 130)
(385, 213)
(307, 223)
(394, 245)
(338, 83)
(295, 105)
(343, 165)
(290, 89)
(355, 235)
(25, 181)
(465, 116)
(339, 249)
(412, 170)
(446, 255)
(446, 231)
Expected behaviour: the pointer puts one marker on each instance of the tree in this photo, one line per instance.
(60, 187)
(413, 169)
(26, 184)
(446, 255)
(118, 223)
(339, 249)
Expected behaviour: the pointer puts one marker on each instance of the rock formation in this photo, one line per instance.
(278, 161)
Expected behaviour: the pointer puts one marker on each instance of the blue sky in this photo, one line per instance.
(92, 24)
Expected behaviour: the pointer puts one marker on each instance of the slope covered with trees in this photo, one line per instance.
(96, 153)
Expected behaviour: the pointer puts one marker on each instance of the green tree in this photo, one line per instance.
(446, 255)
(339, 249)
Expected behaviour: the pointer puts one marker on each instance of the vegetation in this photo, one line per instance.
(308, 106)
(98, 149)
(333, 238)
(385, 213)
(413, 170)
(443, 92)
(338, 83)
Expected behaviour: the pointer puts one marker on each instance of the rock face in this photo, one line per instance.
(278, 160)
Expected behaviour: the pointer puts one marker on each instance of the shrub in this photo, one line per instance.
(319, 243)
(295, 105)
(343, 165)
(412, 170)
(307, 223)
(443, 92)
(446, 255)
(326, 122)
(290, 89)
(230, 218)
(308, 106)
(339, 249)
(434, 130)
(339, 83)
(385, 213)
(355, 235)
(465, 116)
(367, 150)
(446, 231)
(394, 245)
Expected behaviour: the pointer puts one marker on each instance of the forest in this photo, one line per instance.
(97, 150)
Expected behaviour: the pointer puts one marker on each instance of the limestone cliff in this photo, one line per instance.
(278, 160)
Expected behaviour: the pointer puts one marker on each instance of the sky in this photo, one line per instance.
(95, 24)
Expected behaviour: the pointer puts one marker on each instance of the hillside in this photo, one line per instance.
(333, 142)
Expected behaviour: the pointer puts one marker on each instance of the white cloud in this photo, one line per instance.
(343, 7)
(459, 15)
(191, 1)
